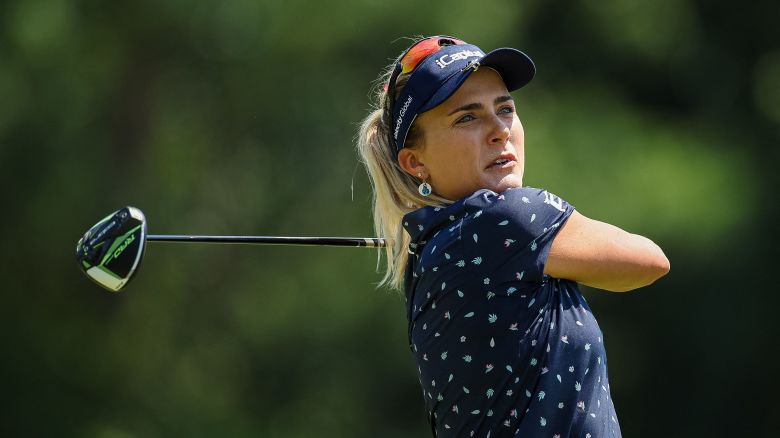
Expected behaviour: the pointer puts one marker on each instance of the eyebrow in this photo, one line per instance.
(473, 106)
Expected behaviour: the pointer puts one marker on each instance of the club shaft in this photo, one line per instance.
(369, 242)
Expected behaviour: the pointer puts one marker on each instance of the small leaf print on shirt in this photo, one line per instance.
(508, 242)
(503, 222)
(477, 260)
(492, 318)
(476, 238)
(533, 217)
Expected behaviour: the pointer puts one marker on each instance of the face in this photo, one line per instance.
(473, 140)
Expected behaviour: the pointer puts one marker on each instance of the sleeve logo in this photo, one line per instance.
(553, 200)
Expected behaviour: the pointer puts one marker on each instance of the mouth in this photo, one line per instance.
(502, 162)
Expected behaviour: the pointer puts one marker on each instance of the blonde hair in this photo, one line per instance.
(394, 191)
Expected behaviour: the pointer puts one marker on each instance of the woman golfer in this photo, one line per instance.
(504, 341)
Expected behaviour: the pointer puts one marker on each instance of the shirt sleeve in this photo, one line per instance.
(508, 235)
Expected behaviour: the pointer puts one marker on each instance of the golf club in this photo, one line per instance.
(110, 252)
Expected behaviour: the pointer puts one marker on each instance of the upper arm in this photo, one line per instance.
(604, 256)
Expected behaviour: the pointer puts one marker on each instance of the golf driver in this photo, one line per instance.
(110, 252)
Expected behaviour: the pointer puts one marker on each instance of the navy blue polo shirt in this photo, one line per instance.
(502, 349)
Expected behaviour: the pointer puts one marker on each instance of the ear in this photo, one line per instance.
(409, 161)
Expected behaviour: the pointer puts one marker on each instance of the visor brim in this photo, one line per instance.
(514, 66)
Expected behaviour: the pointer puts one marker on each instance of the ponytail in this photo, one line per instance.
(394, 191)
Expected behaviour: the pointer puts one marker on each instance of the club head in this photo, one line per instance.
(109, 253)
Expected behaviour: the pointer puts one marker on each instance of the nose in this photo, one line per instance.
(499, 133)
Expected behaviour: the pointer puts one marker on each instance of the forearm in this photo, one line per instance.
(604, 256)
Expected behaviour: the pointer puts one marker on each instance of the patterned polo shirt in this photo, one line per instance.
(502, 349)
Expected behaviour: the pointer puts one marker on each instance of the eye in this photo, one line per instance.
(466, 118)
(506, 109)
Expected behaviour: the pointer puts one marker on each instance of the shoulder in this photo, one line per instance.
(513, 228)
(519, 215)
(513, 200)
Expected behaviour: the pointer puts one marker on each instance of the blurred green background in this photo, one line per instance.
(238, 117)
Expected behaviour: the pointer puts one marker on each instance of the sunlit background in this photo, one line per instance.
(239, 117)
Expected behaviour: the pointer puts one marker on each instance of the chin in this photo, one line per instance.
(508, 182)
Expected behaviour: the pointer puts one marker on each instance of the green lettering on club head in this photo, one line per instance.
(124, 245)
(119, 245)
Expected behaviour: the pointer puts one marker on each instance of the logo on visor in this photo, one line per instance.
(446, 60)
(401, 116)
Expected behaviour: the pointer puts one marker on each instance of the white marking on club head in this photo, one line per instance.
(105, 279)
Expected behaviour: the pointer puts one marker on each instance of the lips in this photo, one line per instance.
(502, 161)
